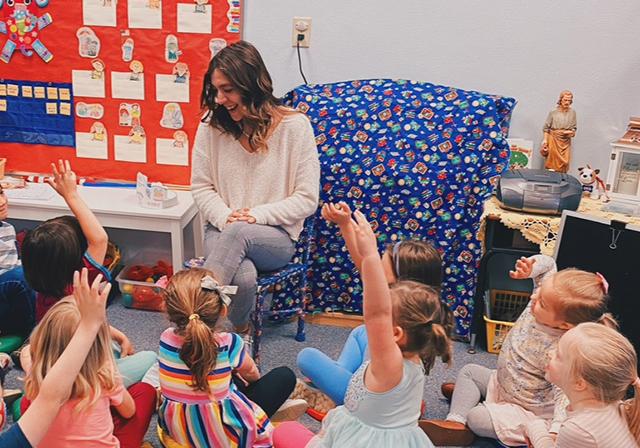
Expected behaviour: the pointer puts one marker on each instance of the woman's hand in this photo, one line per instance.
(91, 301)
(523, 269)
(365, 239)
(242, 214)
(339, 214)
(64, 180)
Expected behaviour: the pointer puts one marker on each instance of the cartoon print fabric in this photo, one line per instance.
(419, 160)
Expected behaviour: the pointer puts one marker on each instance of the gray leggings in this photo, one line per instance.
(466, 406)
(238, 253)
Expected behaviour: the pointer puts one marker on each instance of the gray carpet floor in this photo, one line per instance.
(279, 348)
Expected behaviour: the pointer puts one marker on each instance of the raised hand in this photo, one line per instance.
(339, 213)
(91, 301)
(64, 179)
(365, 239)
(523, 268)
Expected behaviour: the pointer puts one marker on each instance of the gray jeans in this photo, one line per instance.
(466, 406)
(238, 253)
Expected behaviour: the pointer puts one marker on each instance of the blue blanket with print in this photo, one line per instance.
(418, 160)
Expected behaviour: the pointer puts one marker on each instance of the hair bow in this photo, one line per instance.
(210, 284)
(603, 282)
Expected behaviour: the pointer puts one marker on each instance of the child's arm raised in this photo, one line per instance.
(385, 370)
(340, 214)
(64, 182)
(56, 386)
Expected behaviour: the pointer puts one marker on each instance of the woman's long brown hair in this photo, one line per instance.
(243, 66)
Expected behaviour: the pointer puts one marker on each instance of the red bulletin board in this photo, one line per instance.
(149, 48)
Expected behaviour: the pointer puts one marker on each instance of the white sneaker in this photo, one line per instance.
(290, 410)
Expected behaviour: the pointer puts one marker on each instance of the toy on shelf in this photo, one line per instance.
(592, 184)
(154, 195)
(142, 286)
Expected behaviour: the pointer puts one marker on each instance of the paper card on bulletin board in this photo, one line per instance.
(60, 39)
(194, 18)
(123, 86)
(168, 153)
(168, 90)
(99, 12)
(88, 147)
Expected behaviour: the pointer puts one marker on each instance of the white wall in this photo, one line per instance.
(530, 50)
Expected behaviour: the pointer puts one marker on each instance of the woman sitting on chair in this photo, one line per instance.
(255, 175)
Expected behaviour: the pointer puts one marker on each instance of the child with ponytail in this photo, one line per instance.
(413, 260)
(594, 366)
(404, 325)
(212, 391)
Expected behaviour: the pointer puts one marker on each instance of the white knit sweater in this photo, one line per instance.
(281, 186)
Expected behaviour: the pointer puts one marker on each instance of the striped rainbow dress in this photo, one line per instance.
(224, 418)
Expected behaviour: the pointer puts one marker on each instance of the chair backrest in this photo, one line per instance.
(306, 239)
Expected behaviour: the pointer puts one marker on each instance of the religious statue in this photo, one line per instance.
(559, 129)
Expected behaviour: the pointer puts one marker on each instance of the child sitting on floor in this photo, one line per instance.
(17, 299)
(594, 366)
(405, 334)
(405, 260)
(518, 391)
(56, 386)
(202, 403)
(86, 419)
(56, 248)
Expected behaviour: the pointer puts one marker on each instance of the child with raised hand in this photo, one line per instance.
(212, 391)
(56, 386)
(56, 248)
(405, 260)
(518, 391)
(594, 366)
(86, 419)
(383, 400)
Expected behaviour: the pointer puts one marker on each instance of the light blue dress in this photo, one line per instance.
(381, 420)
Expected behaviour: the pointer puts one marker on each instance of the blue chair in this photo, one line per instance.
(288, 287)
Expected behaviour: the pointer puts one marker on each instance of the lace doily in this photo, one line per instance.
(543, 229)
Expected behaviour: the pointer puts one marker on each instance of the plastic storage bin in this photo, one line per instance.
(504, 307)
(144, 295)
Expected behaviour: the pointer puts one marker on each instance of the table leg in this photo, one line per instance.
(177, 246)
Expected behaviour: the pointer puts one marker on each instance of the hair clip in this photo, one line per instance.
(394, 257)
(605, 283)
(210, 284)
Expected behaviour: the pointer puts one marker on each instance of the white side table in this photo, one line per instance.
(118, 208)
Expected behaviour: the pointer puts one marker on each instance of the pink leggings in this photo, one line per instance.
(291, 435)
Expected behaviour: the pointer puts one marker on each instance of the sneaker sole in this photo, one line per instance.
(291, 413)
(442, 436)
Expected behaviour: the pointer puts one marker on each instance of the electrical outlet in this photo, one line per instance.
(301, 27)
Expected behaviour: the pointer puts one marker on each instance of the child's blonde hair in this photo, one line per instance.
(607, 361)
(582, 297)
(50, 338)
(426, 322)
(195, 311)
